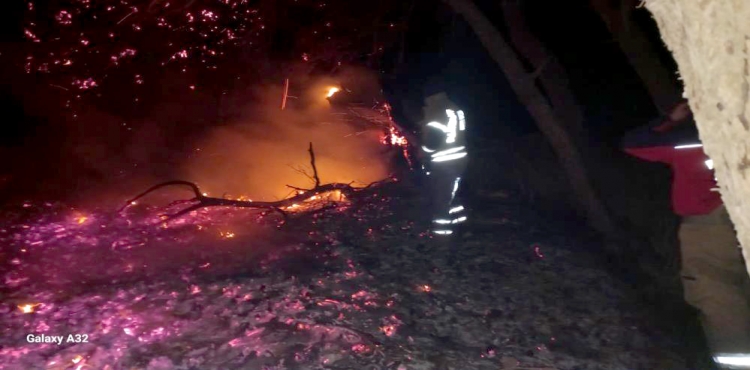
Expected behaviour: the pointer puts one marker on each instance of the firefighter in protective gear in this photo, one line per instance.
(445, 159)
(713, 272)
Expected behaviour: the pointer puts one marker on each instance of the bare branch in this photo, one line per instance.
(315, 169)
(303, 172)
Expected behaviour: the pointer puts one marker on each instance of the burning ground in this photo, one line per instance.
(355, 285)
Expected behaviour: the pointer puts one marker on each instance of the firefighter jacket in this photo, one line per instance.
(693, 183)
(443, 131)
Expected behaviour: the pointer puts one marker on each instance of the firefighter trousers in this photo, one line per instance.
(715, 281)
(444, 182)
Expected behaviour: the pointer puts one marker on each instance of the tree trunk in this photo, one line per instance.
(552, 75)
(709, 40)
(660, 82)
(549, 124)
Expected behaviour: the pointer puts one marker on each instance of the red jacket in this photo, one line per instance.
(692, 180)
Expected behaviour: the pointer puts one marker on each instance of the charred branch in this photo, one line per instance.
(312, 163)
(201, 200)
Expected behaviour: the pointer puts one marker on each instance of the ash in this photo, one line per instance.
(355, 287)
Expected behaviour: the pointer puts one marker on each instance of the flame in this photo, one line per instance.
(332, 91)
(77, 359)
(28, 308)
(316, 201)
(394, 137)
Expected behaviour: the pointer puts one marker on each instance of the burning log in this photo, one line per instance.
(201, 200)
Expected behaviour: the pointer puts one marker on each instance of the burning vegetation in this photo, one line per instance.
(303, 200)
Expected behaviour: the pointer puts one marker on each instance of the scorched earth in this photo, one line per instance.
(350, 286)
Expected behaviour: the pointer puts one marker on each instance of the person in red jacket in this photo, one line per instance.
(713, 272)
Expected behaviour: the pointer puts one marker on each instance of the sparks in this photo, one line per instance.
(394, 137)
(64, 18)
(86, 84)
(31, 36)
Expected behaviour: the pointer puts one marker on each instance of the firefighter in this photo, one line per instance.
(713, 272)
(444, 154)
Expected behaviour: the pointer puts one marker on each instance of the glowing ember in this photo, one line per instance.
(317, 201)
(394, 137)
(226, 234)
(81, 219)
(86, 84)
(77, 359)
(538, 250)
(64, 18)
(332, 91)
(425, 288)
(29, 308)
(388, 330)
(360, 348)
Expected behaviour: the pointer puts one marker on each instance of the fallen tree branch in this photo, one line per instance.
(203, 201)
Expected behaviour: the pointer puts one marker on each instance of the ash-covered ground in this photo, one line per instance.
(356, 286)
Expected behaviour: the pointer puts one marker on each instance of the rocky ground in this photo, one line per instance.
(350, 287)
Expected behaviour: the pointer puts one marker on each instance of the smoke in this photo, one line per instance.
(267, 148)
(240, 145)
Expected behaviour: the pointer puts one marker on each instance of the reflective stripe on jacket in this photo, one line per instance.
(692, 176)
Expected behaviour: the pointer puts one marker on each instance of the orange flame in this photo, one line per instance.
(315, 201)
(332, 91)
(28, 308)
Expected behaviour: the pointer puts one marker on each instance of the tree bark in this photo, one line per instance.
(552, 75)
(549, 124)
(659, 80)
(709, 40)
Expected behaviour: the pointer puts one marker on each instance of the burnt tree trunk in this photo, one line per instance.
(710, 41)
(551, 74)
(641, 53)
(549, 124)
